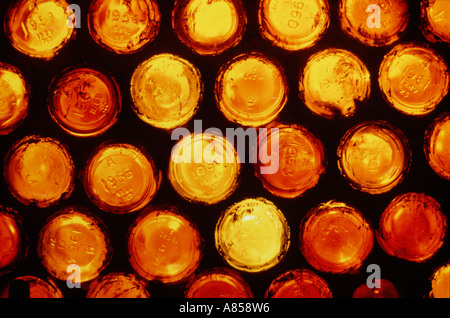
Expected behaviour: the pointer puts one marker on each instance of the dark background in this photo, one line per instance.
(411, 279)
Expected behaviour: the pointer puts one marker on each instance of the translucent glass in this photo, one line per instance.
(299, 283)
(437, 145)
(251, 90)
(39, 171)
(386, 290)
(74, 236)
(293, 25)
(252, 235)
(218, 283)
(31, 287)
(84, 102)
(359, 21)
(165, 246)
(412, 227)
(209, 27)
(301, 157)
(374, 157)
(440, 282)
(166, 91)
(121, 178)
(118, 285)
(335, 238)
(38, 28)
(12, 241)
(333, 82)
(123, 27)
(14, 96)
(413, 79)
(436, 20)
(208, 170)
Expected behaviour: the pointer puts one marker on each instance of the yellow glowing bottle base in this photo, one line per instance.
(166, 91)
(73, 236)
(252, 235)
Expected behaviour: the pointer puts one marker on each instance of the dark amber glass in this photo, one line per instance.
(357, 20)
(440, 282)
(413, 79)
(121, 178)
(166, 91)
(218, 283)
(252, 235)
(14, 96)
(436, 20)
(374, 157)
(164, 245)
(39, 171)
(299, 283)
(301, 156)
(251, 90)
(74, 236)
(437, 145)
(412, 227)
(123, 27)
(386, 290)
(335, 237)
(118, 285)
(209, 27)
(212, 178)
(293, 25)
(12, 242)
(333, 82)
(31, 287)
(84, 102)
(38, 28)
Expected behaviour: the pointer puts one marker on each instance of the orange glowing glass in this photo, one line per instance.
(14, 95)
(121, 178)
(164, 245)
(437, 145)
(440, 282)
(386, 290)
(332, 83)
(374, 157)
(293, 25)
(335, 237)
(84, 102)
(302, 160)
(436, 20)
(299, 283)
(251, 90)
(374, 22)
(166, 91)
(413, 79)
(209, 27)
(12, 246)
(38, 28)
(204, 168)
(218, 283)
(31, 287)
(118, 285)
(39, 171)
(412, 227)
(123, 27)
(74, 236)
(252, 235)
